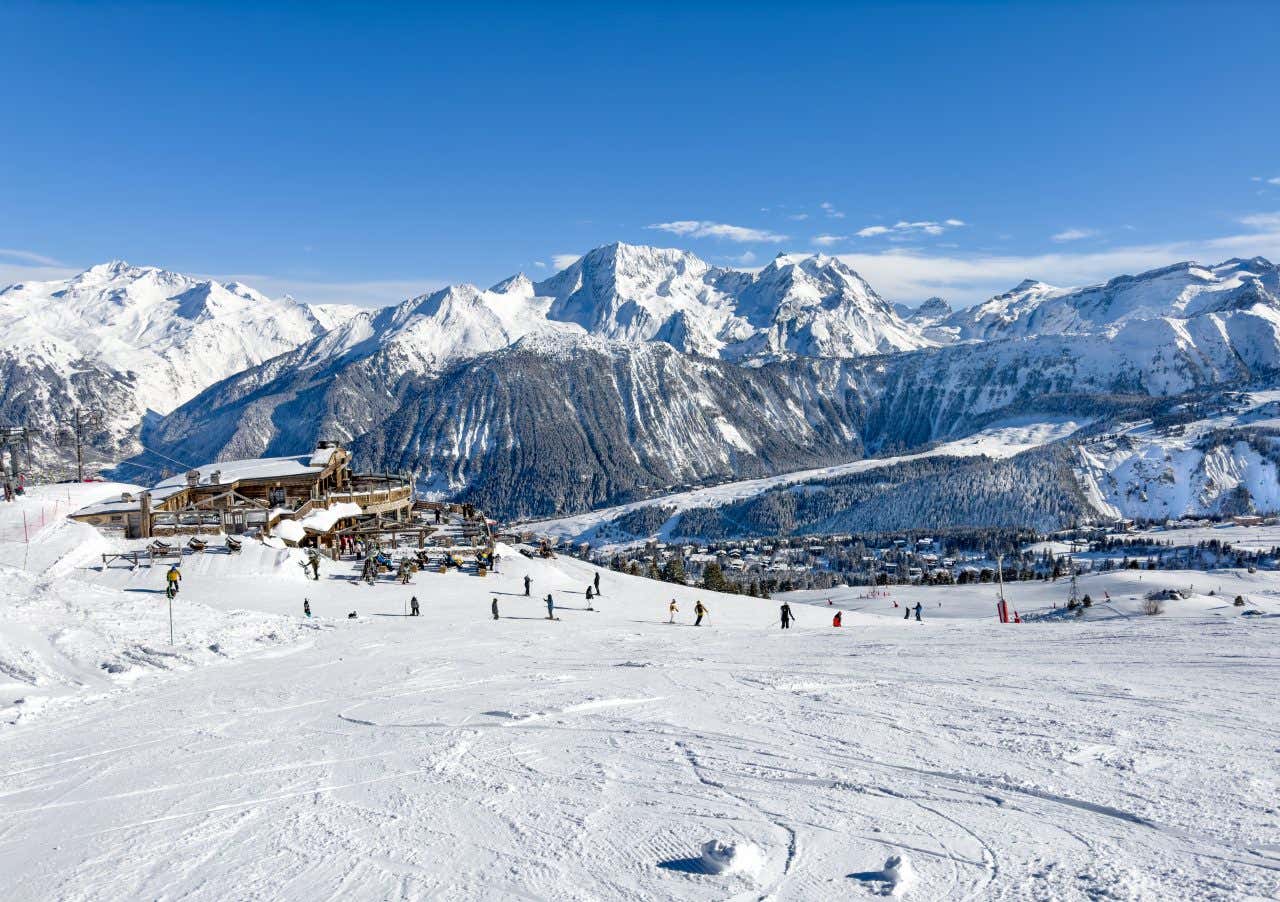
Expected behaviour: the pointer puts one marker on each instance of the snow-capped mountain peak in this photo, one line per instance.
(1181, 291)
(126, 339)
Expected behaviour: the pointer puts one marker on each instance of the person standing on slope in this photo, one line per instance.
(494, 607)
(551, 607)
(906, 612)
(672, 610)
(413, 606)
(700, 610)
(527, 583)
(597, 582)
(787, 616)
(919, 608)
(838, 620)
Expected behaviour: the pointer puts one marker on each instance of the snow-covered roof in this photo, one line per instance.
(310, 463)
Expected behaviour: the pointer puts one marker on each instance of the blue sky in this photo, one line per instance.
(369, 152)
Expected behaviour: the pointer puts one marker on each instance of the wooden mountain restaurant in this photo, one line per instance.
(238, 496)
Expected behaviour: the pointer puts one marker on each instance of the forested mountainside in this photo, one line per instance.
(1036, 488)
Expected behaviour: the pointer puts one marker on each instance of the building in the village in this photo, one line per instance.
(300, 497)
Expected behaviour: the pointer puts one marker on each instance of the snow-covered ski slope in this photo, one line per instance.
(595, 756)
(1001, 440)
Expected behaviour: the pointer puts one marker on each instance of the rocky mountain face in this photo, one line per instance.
(126, 342)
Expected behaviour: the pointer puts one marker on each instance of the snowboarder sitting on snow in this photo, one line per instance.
(906, 612)
(306, 607)
(838, 620)
(352, 616)
(413, 606)
(787, 616)
(173, 577)
(699, 611)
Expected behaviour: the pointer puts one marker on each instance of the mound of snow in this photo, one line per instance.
(732, 857)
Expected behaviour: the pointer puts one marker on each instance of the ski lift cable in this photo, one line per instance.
(166, 457)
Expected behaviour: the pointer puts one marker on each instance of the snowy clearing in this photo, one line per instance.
(610, 755)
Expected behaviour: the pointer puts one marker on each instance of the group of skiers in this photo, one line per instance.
(786, 615)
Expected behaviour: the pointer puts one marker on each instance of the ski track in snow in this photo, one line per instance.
(452, 757)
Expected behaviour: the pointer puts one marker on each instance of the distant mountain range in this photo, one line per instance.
(632, 371)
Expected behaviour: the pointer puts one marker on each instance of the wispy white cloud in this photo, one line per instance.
(1262, 221)
(904, 228)
(1073, 235)
(829, 240)
(744, 259)
(368, 293)
(562, 261)
(1274, 181)
(831, 211)
(700, 228)
(904, 275)
(539, 264)
(798, 217)
(13, 253)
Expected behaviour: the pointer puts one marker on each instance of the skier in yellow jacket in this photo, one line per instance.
(173, 577)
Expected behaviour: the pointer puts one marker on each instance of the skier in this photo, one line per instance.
(672, 610)
(306, 607)
(919, 608)
(494, 607)
(590, 595)
(597, 582)
(413, 606)
(527, 582)
(551, 607)
(787, 616)
(700, 610)
(406, 572)
(838, 619)
(174, 576)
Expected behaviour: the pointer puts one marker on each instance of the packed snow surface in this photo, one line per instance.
(451, 756)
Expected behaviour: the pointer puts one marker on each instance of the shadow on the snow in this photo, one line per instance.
(686, 866)
(148, 591)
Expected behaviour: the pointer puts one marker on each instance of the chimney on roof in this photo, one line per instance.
(215, 477)
(325, 443)
(193, 478)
